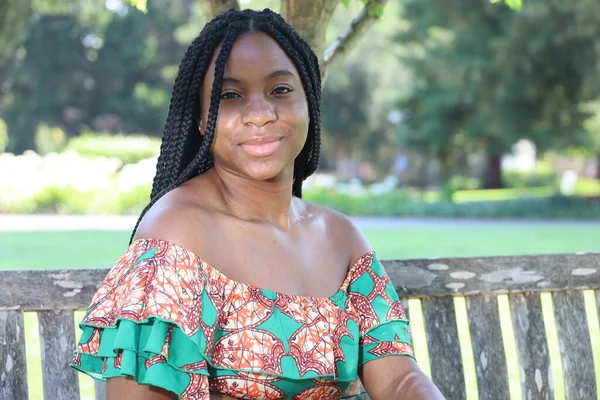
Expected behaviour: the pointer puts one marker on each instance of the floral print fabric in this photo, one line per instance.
(169, 319)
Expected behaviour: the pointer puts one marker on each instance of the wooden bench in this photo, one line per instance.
(433, 284)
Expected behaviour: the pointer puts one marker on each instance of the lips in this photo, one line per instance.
(261, 147)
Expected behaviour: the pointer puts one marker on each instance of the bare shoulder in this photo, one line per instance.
(177, 218)
(341, 230)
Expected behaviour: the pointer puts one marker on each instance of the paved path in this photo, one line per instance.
(114, 222)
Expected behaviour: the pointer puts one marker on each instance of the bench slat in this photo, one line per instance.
(444, 346)
(486, 275)
(532, 347)
(73, 289)
(65, 289)
(488, 348)
(597, 293)
(13, 367)
(57, 338)
(575, 345)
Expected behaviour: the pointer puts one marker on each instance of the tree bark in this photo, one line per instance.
(493, 173)
(311, 19)
(336, 52)
(212, 8)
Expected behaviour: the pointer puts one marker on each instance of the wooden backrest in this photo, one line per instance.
(522, 278)
(55, 294)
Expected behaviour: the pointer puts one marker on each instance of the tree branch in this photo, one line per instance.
(311, 19)
(212, 8)
(348, 40)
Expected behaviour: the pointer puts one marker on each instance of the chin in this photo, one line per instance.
(266, 172)
(263, 176)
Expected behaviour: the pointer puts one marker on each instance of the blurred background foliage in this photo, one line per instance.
(437, 102)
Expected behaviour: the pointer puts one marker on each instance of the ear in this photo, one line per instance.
(200, 127)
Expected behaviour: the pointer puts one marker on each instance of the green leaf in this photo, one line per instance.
(376, 10)
(514, 4)
(347, 2)
(140, 5)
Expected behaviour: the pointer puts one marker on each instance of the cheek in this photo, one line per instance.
(224, 129)
(227, 119)
(298, 113)
(303, 120)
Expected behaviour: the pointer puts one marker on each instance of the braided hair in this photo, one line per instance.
(185, 153)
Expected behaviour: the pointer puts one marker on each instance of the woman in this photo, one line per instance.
(233, 287)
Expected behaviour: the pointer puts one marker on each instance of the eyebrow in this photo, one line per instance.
(279, 72)
(274, 74)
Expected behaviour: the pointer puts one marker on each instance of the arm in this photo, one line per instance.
(392, 377)
(171, 224)
(126, 388)
(397, 378)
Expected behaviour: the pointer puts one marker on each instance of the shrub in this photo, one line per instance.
(399, 205)
(68, 200)
(464, 196)
(134, 200)
(49, 139)
(338, 201)
(587, 187)
(129, 149)
(3, 136)
(51, 200)
(543, 176)
(13, 202)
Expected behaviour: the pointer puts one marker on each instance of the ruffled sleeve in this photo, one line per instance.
(383, 326)
(151, 319)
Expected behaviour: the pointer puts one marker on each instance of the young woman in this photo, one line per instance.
(233, 287)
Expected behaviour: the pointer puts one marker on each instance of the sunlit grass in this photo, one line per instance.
(100, 249)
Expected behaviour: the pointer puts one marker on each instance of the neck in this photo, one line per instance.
(258, 201)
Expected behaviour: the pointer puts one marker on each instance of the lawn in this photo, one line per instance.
(100, 249)
(96, 249)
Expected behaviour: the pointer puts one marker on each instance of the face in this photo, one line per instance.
(263, 114)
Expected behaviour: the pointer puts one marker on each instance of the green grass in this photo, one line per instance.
(54, 250)
(464, 240)
(100, 249)
(93, 249)
(130, 149)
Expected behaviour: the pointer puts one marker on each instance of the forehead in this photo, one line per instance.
(255, 51)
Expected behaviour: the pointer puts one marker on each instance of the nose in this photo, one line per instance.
(258, 111)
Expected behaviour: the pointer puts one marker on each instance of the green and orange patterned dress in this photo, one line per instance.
(168, 319)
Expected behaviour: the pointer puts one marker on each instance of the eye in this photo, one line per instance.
(282, 90)
(229, 95)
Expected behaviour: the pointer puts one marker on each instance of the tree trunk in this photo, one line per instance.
(23, 137)
(343, 160)
(598, 165)
(311, 19)
(446, 163)
(212, 8)
(493, 173)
